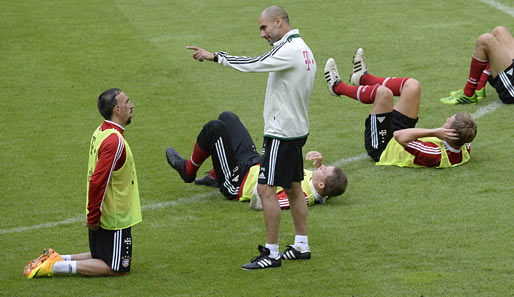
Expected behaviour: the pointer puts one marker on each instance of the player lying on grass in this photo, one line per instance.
(390, 137)
(493, 50)
(313, 187)
(236, 165)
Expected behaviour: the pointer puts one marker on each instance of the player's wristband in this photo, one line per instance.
(215, 57)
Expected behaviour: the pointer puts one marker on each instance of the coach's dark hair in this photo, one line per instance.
(107, 101)
(335, 184)
(466, 127)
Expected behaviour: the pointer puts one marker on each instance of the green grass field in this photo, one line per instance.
(395, 232)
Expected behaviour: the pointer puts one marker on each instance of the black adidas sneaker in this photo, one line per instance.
(262, 261)
(178, 163)
(293, 254)
(207, 180)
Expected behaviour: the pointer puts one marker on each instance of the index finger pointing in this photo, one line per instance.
(195, 48)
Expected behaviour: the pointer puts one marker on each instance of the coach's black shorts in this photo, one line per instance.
(379, 129)
(504, 84)
(114, 247)
(281, 162)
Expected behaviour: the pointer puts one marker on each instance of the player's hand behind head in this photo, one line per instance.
(316, 157)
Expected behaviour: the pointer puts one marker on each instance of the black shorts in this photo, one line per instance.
(504, 84)
(232, 151)
(114, 247)
(281, 162)
(379, 129)
(244, 148)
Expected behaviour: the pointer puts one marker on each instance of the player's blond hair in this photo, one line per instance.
(465, 126)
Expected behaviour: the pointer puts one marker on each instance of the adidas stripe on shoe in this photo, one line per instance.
(459, 97)
(293, 254)
(262, 261)
(359, 68)
(331, 76)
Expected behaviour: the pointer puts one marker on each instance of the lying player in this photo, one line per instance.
(390, 135)
(236, 165)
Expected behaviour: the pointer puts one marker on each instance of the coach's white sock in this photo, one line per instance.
(301, 243)
(68, 267)
(66, 257)
(273, 248)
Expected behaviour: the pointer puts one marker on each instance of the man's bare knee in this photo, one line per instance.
(384, 99)
(412, 85)
(384, 92)
(265, 191)
(500, 30)
(484, 40)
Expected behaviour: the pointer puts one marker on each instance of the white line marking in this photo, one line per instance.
(195, 198)
(487, 109)
(491, 107)
(479, 113)
(351, 160)
(499, 6)
(44, 225)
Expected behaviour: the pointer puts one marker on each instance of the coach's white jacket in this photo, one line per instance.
(292, 70)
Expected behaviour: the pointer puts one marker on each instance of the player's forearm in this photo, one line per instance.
(93, 214)
(405, 136)
(94, 200)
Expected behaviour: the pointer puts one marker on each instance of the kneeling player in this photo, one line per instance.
(113, 205)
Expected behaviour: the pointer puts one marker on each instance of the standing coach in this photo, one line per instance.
(292, 70)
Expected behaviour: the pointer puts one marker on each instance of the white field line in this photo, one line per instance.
(79, 218)
(499, 6)
(487, 109)
(479, 113)
(350, 160)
